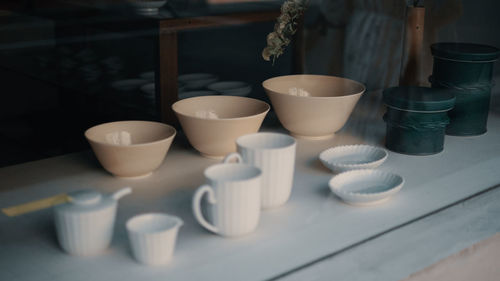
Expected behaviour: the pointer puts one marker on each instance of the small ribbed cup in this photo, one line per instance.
(152, 237)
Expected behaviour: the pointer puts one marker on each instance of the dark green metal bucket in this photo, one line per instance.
(416, 119)
(466, 69)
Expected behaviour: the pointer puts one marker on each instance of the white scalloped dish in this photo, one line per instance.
(366, 187)
(352, 157)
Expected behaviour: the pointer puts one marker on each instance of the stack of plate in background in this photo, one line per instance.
(128, 84)
(196, 81)
(149, 92)
(190, 85)
(231, 88)
(194, 84)
(148, 75)
(147, 7)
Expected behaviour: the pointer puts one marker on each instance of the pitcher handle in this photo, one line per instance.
(122, 192)
(231, 156)
(198, 195)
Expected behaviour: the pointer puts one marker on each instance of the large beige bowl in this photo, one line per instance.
(130, 148)
(213, 123)
(313, 106)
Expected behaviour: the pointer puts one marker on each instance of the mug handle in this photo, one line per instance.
(231, 156)
(197, 206)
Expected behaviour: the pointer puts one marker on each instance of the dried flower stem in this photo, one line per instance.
(284, 29)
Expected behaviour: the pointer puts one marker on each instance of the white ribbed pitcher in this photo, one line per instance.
(274, 154)
(84, 226)
(234, 194)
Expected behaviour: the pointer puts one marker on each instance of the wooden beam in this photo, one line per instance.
(180, 24)
(166, 78)
(412, 58)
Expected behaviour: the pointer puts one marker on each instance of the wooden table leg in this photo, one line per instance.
(413, 48)
(166, 78)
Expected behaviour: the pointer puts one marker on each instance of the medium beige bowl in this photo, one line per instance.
(313, 106)
(213, 123)
(130, 148)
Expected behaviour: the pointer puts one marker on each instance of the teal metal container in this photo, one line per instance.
(416, 119)
(466, 69)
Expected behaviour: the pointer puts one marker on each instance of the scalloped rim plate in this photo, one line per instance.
(365, 187)
(352, 157)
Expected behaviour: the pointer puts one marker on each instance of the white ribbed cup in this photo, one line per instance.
(274, 154)
(234, 194)
(152, 237)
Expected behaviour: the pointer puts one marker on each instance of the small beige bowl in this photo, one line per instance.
(213, 123)
(313, 106)
(130, 148)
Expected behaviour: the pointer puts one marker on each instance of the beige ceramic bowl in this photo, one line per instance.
(130, 148)
(313, 106)
(213, 123)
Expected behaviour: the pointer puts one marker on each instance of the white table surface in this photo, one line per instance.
(310, 229)
(418, 247)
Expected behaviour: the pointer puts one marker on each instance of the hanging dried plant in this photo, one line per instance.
(284, 29)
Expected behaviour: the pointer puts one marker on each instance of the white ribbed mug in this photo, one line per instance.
(274, 154)
(234, 194)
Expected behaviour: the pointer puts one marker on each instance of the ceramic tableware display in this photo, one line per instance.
(274, 154)
(131, 148)
(197, 81)
(152, 237)
(233, 193)
(466, 69)
(353, 157)
(231, 88)
(416, 119)
(313, 106)
(213, 123)
(365, 187)
(84, 226)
